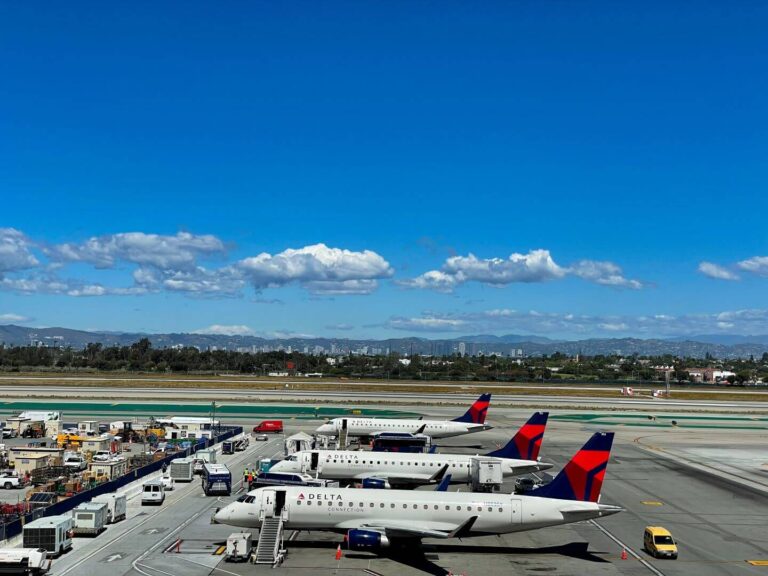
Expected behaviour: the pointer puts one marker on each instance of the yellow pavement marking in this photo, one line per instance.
(758, 562)
(652, 503)
(220, 550)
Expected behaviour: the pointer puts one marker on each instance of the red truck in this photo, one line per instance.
(275, 426)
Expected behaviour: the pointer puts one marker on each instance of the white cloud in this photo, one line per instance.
(178, 252)
(604, 273)
(15, 251)
(10, 317)
(198, 280)
(535, 266)
(342, 326)
(756, 265)
(750, 321)
(226, 330)
(317, 268)
(434, 280)
(716, 271)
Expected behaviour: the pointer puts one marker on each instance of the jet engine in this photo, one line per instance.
(366, 540)
(376, 483)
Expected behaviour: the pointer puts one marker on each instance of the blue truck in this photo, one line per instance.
(216, 479)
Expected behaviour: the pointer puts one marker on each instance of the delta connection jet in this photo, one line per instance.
(472, 421)
(403, 470)
(371, 519)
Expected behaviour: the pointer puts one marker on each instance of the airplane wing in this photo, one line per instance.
(398, 478)
(424, 529)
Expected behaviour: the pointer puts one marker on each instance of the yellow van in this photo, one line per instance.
(658, 542)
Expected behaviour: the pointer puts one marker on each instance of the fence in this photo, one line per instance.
(14, 528)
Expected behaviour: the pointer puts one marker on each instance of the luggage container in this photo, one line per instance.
(53, 534)
(485, 474)
(216, 479)
(90, 518)
(181, 469)
(116, 506)
(239, 545)
(26, 561)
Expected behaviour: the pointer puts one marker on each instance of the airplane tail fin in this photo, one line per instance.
(477, 412)
(526, 443)
(582, 478)
(444, 483)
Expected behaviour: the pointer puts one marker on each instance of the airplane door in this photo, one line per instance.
(344, 424)
(268, 503)
(516, 512)
(314, 458)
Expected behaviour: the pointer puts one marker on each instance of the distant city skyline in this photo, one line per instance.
(375, 171)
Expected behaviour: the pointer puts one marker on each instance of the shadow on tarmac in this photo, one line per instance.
(419, 557)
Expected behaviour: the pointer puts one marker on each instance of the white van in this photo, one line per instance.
(153, 492)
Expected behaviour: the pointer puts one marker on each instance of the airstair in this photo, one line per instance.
(268, 550)
(342, 441)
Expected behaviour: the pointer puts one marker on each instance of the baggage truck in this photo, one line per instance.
(53, 534)
(181, 469)
(116, 506)
(216, 479)
(24, 561)
(90, 518)
(201, 457)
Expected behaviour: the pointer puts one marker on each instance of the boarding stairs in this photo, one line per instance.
(268, 550)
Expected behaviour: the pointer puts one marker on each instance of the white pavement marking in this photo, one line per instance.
(214, 569)
(637, 557)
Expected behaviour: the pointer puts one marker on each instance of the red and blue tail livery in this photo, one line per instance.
(526, 443)
(582, 477)
(477, 412)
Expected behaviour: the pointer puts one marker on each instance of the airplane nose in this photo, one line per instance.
(324, 428)
(222, 515)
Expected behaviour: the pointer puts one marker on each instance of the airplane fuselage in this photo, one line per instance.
(356, 427)
(339, 509)
(354, 465)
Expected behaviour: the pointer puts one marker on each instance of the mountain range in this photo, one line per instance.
(719, 346)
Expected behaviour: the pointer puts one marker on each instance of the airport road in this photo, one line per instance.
(202, 396)
(129, 546)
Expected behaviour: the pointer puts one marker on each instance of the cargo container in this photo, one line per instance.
(90, 518)
(116, 506)
(53, 534)
(275, 426)
(216, 479)
(26, 561)
(239, 545)
(181, 469)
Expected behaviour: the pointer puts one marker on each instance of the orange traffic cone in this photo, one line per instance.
(623, 553)
(338, 552)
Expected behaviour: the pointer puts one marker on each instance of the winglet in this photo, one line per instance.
(526, 443)
(463, 529)
(439, 475)
(421, 429)
(477, 412)
(444, 483)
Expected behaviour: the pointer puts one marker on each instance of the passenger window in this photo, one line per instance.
(458, 507)
(381, 505)
(298, 502)
(405, 505)
(436, 506)
(371, 504)
(391, 505)
(415, 506)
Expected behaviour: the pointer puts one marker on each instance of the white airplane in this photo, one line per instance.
(371, 519)
(472, 421)
(397, 469)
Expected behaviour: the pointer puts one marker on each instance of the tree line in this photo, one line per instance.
(142, 357)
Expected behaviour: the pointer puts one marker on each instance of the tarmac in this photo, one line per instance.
(707, 485)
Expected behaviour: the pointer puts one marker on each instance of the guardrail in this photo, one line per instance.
(15, 528)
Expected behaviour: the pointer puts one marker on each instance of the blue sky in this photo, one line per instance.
(383, 169)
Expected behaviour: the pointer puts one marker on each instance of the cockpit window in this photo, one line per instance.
(291, 458)
(247, 499)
